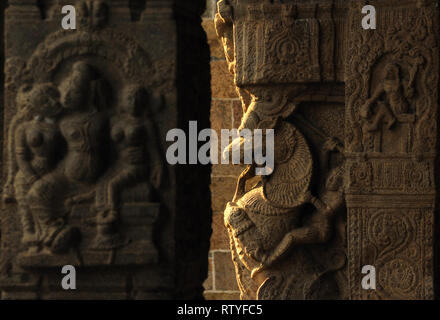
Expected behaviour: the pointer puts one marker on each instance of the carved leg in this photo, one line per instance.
(28, 225)
(318, 230)
(116, 184)
(305, 235)
(26, 218)
(107, 235)
(384, 114)
(42, 201)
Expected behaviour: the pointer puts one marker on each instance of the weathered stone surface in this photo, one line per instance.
(355, 118)
(224, 272)
(84, 121)
(221, 115)
(222, 118)
(226, 170)
(219, 237)
(222, 82)
(209, 281)
(392, 192)
(223, 188)
(85, 179)
(215, 46)
(237, 113)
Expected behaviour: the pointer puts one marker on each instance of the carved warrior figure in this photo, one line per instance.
(265, 224)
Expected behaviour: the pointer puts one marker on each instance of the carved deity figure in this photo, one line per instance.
(36, 141)
(390, 99)
(128, 133)
(128, 129)
(268, 231)
(83, 130)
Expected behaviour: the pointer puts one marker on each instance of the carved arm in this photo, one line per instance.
(80, 198)
(22, 155)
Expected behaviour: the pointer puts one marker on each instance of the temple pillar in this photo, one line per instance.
(86, 182)
(354, 113)
(391, 148)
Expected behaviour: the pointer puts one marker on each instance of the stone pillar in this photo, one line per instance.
(287, 229)
(86, 181)
(354, 113)
(391, 146)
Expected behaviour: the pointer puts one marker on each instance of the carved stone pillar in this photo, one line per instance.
(288, 231)
(391, 146)
(85, 179)
(340, 196)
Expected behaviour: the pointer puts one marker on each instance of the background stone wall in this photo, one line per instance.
(226, 113)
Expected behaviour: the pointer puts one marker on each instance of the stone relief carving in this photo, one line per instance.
(85, 116)
(269, 233)
(78, 104)
(128, 131)
(391, 93)
(285, 58)
(78, 120)
(277, 226)
(36, 138)
(395, 98)
(83, 143)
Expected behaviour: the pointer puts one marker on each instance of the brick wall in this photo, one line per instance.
(226, 113)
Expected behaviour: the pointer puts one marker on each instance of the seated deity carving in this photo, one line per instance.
(129, 129)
